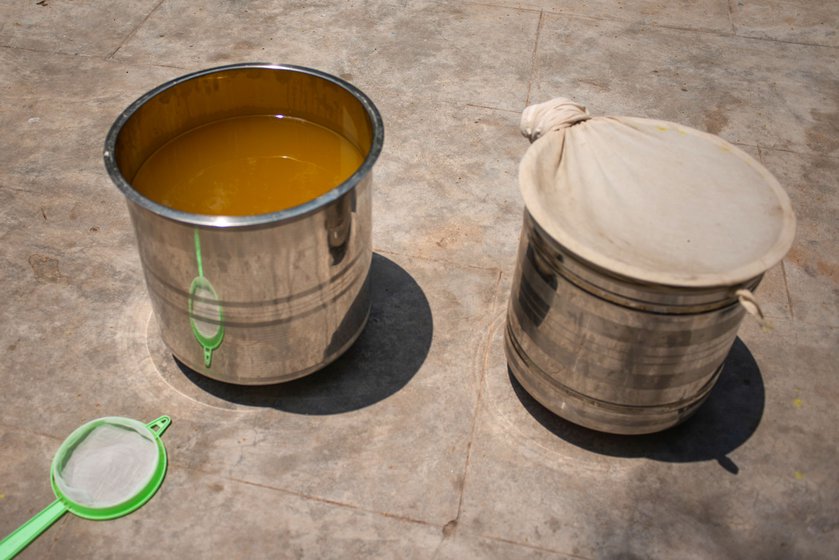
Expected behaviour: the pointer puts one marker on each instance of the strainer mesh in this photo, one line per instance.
(108, 465)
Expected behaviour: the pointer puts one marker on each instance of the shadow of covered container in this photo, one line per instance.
(263, 298)
(725, 421)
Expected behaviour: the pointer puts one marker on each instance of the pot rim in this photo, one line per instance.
(756, 265)
(624, 290)
(218, 221)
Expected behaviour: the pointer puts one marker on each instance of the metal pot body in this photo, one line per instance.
(608, 353)
(253, 299)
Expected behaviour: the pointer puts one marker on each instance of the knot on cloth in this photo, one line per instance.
(556, 114)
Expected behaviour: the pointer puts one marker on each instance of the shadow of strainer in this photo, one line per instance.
(724, 422)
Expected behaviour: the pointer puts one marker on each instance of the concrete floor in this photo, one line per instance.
(417, 444)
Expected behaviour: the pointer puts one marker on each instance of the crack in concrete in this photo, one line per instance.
(534, 58)
(134, 30)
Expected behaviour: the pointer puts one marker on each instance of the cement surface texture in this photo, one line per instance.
(418, 443)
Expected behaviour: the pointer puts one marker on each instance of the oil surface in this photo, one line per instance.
(247, 165)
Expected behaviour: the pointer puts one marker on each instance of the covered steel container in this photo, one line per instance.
(641, 245)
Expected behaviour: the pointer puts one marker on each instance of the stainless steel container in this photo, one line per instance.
(253, 299)
(642, 242)
(610, 353)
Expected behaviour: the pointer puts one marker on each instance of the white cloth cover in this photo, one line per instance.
(652, 200)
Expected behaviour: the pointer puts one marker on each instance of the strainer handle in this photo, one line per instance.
(158, 426)
(29, 531)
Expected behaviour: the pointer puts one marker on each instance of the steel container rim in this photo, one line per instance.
(625, 291)
(217, 221)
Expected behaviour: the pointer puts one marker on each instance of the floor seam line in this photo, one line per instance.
(20, 429)
(713, 32)
(495, 292)
(786, 288)
(796, 152)
(505, 7)
(134, 30)
(482, 363)
(47, 51)
(437, 261)
(309, 497)
(535, 547)
(534, 59)
(731, 18)
(492, 108)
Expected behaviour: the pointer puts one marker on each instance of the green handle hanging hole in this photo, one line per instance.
(159, 426)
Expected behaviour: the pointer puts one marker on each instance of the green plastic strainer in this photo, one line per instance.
(105, 469)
